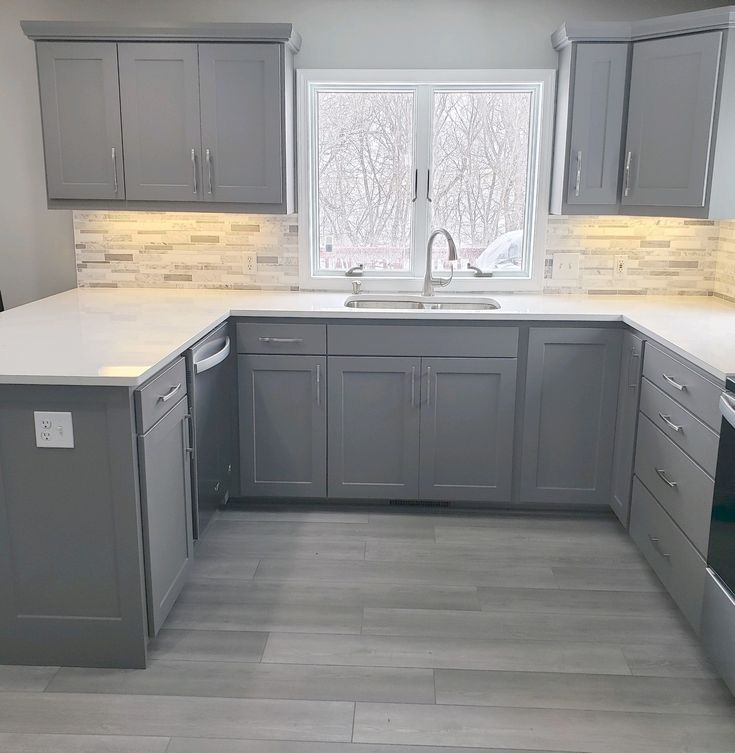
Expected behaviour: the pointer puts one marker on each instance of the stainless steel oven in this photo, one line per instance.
(718, 619)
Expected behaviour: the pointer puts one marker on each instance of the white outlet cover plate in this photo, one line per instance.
(53, 429)
(565, 267)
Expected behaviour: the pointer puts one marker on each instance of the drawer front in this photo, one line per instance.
(683, 489)
(279, 337)
(693, 391)
(672, 557)
(413, 340)
(157, 397)
(679, 425)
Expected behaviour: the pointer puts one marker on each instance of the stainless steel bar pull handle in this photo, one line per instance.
(415, 185)
(208, 157)
(413, 386)
(634, 354)
(665, 478)
(667, 420)
(676, 385)
(281, 339)
(656, 543)
(165, 398)
(578, 180)
(194, 170)
(626, 178)
(188, 434)
(114, 169)
(428, 186)
(428, 385)
(318, 385)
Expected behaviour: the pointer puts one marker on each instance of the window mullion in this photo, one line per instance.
(422, 161)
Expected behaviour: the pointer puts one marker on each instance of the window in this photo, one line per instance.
(387, 156)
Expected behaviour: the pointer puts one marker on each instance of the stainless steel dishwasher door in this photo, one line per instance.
(211, 368)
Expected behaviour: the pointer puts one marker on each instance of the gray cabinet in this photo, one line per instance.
(241, 115)
(590, 118)
(374, 405)
(625, 425)
(80, 113)
(467, 420)
(670, 123)
(282, 425)
(159, 91)
(570, 407)
(165, 482)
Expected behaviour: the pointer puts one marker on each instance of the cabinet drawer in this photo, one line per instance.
(684, 385)
(416, 340)
(675, 561)
(289, 339)
(681, 426)
(683, 489)
(157, 397)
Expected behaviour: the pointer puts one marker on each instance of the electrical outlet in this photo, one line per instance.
(251, 263)
(565, 267)
(620, 268)
(53, 429)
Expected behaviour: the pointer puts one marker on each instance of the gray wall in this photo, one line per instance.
(36, 245)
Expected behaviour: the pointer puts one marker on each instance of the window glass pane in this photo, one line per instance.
(365, 179)
(480, 153)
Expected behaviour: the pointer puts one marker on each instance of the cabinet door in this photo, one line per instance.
(672, 102)
(159, 92)
(80, 113)
(569, 421)
(631, 368)
(467, 417)
(242, 101)
(598, 105)
(165, 475)
(282, 426)
(374, 427)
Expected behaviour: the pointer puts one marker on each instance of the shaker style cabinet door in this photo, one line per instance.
(80, 112)
(598, 106)
(159, 92)
(242, 110)
(631, 368)
(283, 424)
(569, 422)
(165, 475)
(374, 427)
(467, 419)
(670, 121)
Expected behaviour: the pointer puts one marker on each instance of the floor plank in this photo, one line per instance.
(208, 645)
(397, 651)
(33, 743)
(584, 731)
(14, 677)
(235, 680)
(219, 546)
(179, 745)
(223, 526)
(606, 579)
(166, 716)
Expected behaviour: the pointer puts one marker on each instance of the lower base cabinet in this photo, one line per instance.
(283, 442)
(165, 475)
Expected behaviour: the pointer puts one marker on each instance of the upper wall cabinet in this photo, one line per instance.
(653, 136)
(198, 116)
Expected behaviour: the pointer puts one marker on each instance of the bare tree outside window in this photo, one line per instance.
(365, 143)
(480, 149)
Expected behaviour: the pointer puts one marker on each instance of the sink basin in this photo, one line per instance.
(420, 302)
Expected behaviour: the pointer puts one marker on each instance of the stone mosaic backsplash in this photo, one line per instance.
(251, 252)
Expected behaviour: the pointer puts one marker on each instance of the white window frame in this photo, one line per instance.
(540, 81)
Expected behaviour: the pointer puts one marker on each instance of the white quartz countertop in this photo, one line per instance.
(123, 336)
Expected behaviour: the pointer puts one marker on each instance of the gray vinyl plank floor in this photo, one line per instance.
(368, 630)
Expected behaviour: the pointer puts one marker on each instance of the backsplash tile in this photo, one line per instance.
(197, 250)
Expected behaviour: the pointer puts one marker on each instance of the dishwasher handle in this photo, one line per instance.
(214, 360)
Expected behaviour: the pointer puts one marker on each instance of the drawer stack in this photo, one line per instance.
(675, 461)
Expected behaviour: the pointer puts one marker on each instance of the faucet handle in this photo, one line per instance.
(444, 281)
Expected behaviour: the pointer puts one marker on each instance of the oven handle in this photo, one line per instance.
(211, 361)
(727, 408)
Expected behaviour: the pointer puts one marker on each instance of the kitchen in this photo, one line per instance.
(372, 402)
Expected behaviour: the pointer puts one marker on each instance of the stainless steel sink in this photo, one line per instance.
(422, 303)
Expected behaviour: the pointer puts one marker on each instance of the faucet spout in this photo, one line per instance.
(429, 279)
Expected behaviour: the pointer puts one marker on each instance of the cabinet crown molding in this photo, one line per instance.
(647, 28)
(86, 31)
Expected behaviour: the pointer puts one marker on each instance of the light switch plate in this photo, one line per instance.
(53, 429)
(565, 267)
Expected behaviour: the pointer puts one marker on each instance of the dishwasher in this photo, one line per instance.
(212, 384)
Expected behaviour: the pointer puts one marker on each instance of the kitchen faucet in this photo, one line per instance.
(430, 281)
